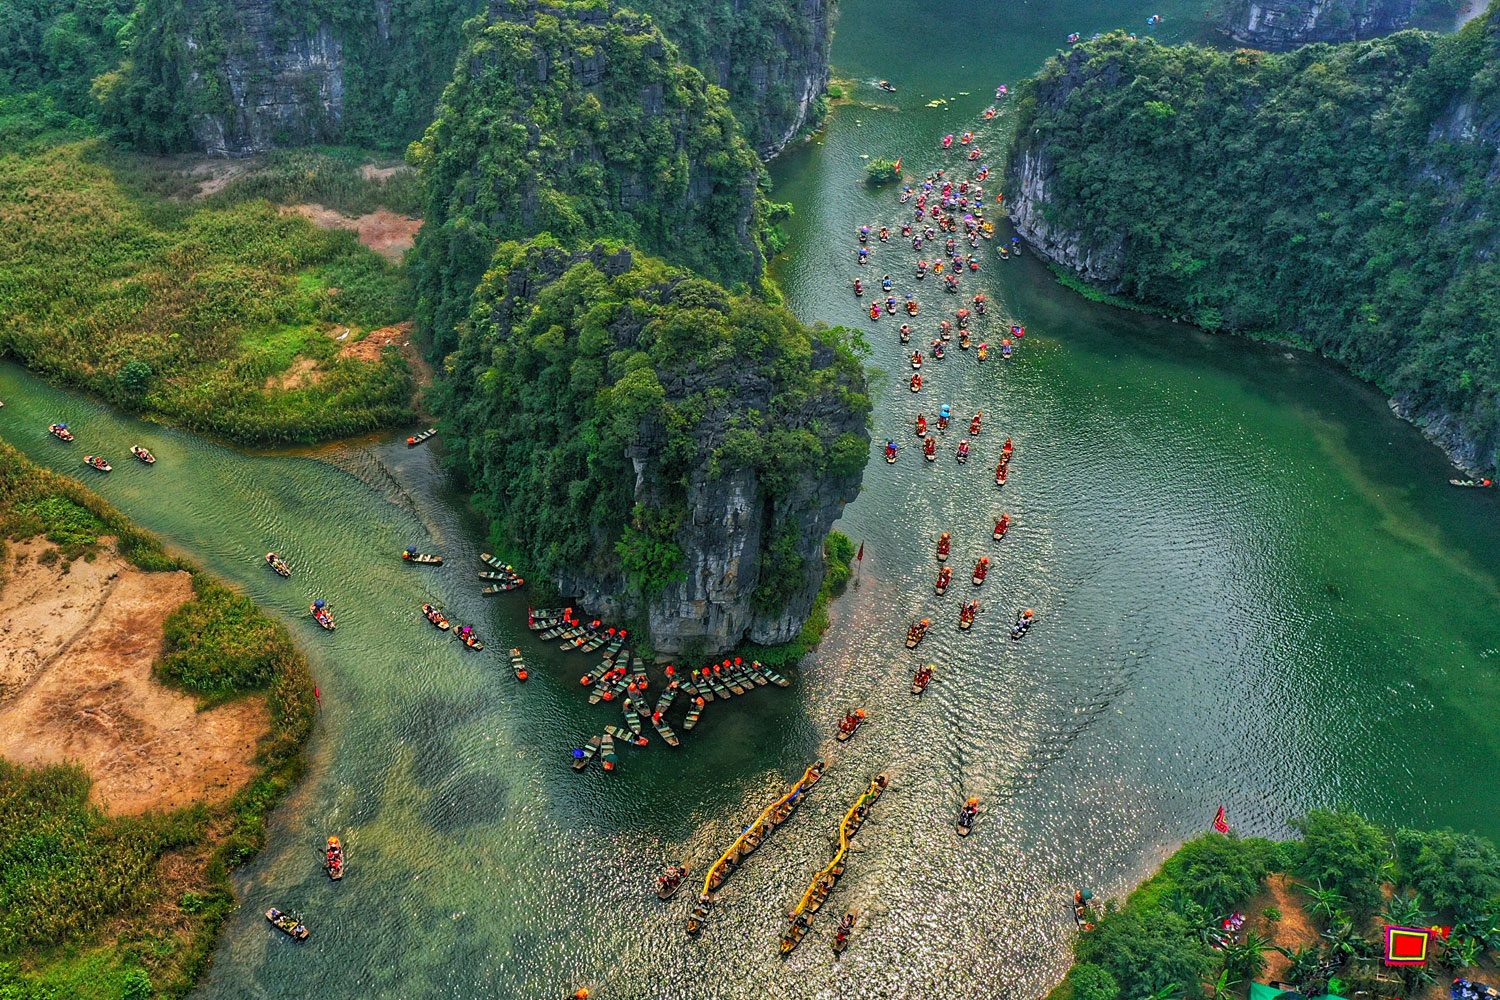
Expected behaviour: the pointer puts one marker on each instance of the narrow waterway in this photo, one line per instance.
(1253, 586)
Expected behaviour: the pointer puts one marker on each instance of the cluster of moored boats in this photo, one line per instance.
(621, 674)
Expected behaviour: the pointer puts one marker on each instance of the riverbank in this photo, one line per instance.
(1306, 915)
(151, 719)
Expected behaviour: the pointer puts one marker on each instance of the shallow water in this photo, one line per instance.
(1253, 587)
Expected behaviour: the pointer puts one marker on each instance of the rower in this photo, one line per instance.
(974, 424)
(1002, 526)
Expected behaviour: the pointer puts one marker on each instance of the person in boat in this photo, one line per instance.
(1006, 451)
(937, 350)
(916, 359)
(885, 234)
(864, 234)
(1000, 474)
(944, 413)
(905, 332)
(974, 424)
(921, 425)
(916, 383)
(944, 543)
(859, 289)
(890, 451)
(911, 306)
(885, 283)
(981, 568)
(874, 310)
(963, 450)
(968, 812)
(864, 255)
(890, 304)
(963, 318)
(1002, 525)
(905, 230)
(944, 575)
(984, 351)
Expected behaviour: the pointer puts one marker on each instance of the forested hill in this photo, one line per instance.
(1344, 197)
(566, 118)
(235, 77)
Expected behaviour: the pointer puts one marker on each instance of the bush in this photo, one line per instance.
(135, 377)
(1346, 852)
(1146, 952)
(882, 171)
(1091, 982)
(1218, 872)
(137, 985)
(1458, 872)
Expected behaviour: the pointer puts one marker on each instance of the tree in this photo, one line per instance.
(1247, 959)
(1220, 871)
(1325, 903)
(1090, 982)
(1346, 852)
(1405, 910)
(1456, 871)
(1306, 961)
(1146, 952)
(135, 377)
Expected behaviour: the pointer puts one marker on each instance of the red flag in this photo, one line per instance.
(861, 554)
(1219, 823)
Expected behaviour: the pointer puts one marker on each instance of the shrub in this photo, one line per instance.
(1091, 982)
(882, 171)
(1146, 952)
(1454, 871)
(1346, 852)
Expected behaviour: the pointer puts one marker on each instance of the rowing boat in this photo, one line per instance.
(717, 685)
(693, 715)
(849, 725)
(435, 616)
(607, 753)
(60, 431)
(758, 674)
(485, 574)
(668, 884)
(494, 563)
(599, 639)
(615, 645)
(638, 672)
(774, 677)
(142, 454)
(964, 829)
(841, 938)
(333, 860)
(518, 664)
(916, 633)
(278, 564)
(921, 680)
(500, 588)
(632, 717)
(696, 689)
(585, 753)
(593, 676)
(411, 555)
(659, 716)
(556, 630)
(321, 614)
(289, 925)
(98, 462)
(625, 736)
(534, 613)
(417, 439)
(465, 635)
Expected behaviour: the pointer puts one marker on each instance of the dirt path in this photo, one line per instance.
(387, 233)
(76, 684)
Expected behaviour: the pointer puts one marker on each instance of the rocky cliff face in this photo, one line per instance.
(238, 77)
(1285, 24)
(770, 55)
(659, 448)
(1033, 174)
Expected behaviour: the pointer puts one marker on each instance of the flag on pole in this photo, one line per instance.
(1219, 823)
(860, 556)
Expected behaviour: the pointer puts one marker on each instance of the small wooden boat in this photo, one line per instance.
(605, 685)
(964, 825)
(966, 616)
(142, 454)
(572, 632)
(701, 908)
(730, 679)
(887, 86)
(1022, 625)
(518, 664)
(632, 717)
(638, 673)
(607, 753)
(60, 431)
(585, 753)
(718, 686)
(494, 563)
(1471, 483)
(793, 934)
(668, 884)
(944, 576)
(500, 588)
(548, 612)
(615, 645)
(562, 628)
(922, 678)
(626, 736)
(411, 555)
(774, 677)
(841, 937)
(981, 569)
(417, 439)
(333, 860)
(700, 689)
(97, 462)
(485, 574)
(693, 716)
(917, 633)
(290, 925)
(321, 614)
(849, 724)
(465, 635)
(435, 616)
(278, 564)
(659, 716)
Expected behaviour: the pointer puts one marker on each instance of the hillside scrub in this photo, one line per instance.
(1340, 196)
(567, 119)
(1158, 943)
(92, 905)
(191, 314)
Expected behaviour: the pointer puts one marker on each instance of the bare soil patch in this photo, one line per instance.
(304, 372)
(1294, 930)
(368, 348)
(76, 684)
(385, 232)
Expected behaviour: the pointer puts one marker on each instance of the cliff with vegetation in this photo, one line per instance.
(1285, 24)
(102, 901)
(1338, 197)
(655, 445)
(1313, 910)
(245, 76)
(565, 118)
(770, 55)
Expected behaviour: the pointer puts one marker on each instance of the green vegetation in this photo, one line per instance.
(1157, 946)
(879, 172)
(217, 318)
(758, 52)
(619, 140)
(1336, 195)
(395, 59)
(50, 52)
(572, 365)
(838, 553)
(88, 909)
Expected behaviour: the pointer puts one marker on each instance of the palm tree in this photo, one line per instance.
(1461, 951)
(1406, 911)
(1326, 903)
(1222, 988)
(1344, 941)
(1247, 959)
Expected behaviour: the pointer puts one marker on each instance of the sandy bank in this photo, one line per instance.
(76, 684)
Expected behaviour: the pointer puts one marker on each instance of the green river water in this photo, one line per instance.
(1253, 585)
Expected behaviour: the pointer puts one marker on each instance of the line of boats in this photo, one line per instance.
(824, 881)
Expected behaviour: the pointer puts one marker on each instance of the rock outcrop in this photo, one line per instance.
(1284, 24)
(660, 449)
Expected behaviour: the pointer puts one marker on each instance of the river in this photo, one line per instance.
(1253, 587)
